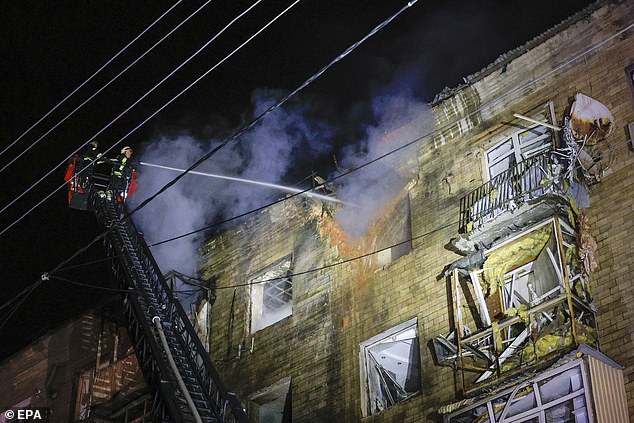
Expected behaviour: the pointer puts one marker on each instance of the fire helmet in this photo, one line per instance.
(126, 148)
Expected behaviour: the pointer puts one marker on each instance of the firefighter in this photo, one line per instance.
(90, 153)
(121, 176)
(88, 156)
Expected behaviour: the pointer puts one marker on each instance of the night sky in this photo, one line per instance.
(49, 48)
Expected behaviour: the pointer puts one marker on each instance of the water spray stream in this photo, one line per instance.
(248, 181)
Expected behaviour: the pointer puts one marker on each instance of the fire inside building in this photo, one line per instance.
(493, 285)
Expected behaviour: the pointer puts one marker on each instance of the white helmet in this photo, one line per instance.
(126, 148)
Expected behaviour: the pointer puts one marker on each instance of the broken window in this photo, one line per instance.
(271, 295)
(527, 300)
(390, 367)
(557, 395)
(519, 146)
(531, 283)
(272, 404)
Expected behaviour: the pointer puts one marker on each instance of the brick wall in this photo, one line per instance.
(58, 359)
(336, 309)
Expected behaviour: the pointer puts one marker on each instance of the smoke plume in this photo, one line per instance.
(266, 154)
(399, 119)
(286, 140)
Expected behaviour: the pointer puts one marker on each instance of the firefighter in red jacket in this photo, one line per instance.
(122, 176)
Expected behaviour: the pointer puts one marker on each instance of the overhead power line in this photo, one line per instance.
(338, 263)
(25, 296)
(90, 78)
(97, 287)
(16, 296)
(148, 118)
(405, 145)
(235, 135)
(305, 272)
(492, 102)
(24, 151)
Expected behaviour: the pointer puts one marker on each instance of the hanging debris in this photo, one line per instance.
(586, 124)
(590, 121)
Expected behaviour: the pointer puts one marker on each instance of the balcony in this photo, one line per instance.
(527, 181)
(525, 304)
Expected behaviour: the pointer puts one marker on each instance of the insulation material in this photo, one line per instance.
(517, 253)
(587, 246)
(590, 120)
(548, 343)
(520, 311)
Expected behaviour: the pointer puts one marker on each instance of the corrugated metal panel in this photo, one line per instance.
(608, 392)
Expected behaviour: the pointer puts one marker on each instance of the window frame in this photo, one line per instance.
(257, 293)
(514, 138)
(270, 394)
(580, 390)
(364, 360)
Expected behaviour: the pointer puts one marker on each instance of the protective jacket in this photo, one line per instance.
(122, 170)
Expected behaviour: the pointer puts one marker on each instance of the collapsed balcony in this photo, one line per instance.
(524, 303)
(523, 183)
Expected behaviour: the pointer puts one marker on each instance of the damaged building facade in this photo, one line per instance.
(495, 286)
(83, 371)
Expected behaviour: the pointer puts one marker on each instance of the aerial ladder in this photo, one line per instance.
(184, 384)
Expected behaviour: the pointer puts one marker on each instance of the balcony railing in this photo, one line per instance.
(525, 181)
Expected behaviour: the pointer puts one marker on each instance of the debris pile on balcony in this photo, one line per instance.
(525, 301)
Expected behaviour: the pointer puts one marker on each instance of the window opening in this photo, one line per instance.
(532, 283)
(272, 404)
(519, 146)
(558, 395)
(390, 364)
(271, 295)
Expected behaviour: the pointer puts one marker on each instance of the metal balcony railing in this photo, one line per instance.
(525, 181)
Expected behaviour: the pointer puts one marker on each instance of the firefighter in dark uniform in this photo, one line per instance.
(122, 170)
(88, 156)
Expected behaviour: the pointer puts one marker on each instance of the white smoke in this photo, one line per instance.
(284, 140)
(400, 119)
(265, 154)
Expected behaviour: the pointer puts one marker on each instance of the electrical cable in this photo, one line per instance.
(328, 266)
(86, 285)
(90, 78)
(139, 100)
(17, 306)
(16, 296)
(105, 86)
(449, 124)
(88, 263)
(405, 145)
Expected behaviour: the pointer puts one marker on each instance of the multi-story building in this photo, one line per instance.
(83, 371)
(493, 285)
